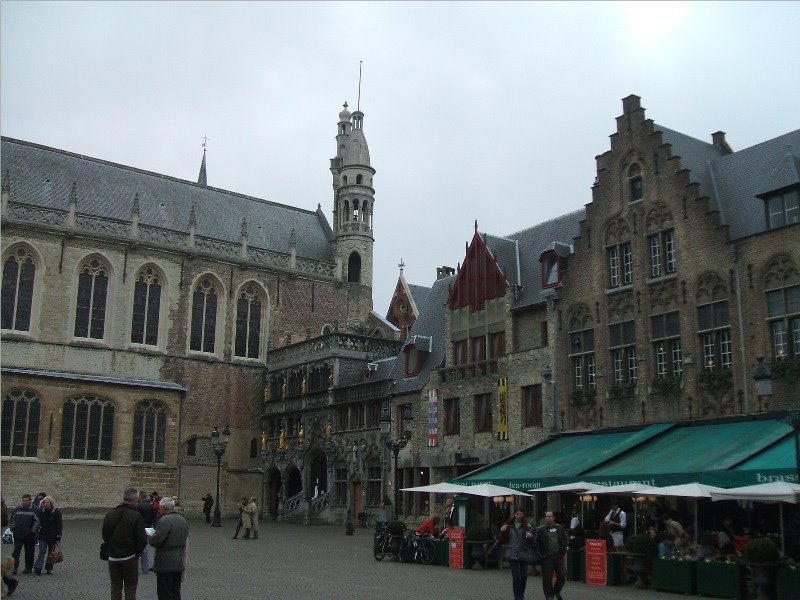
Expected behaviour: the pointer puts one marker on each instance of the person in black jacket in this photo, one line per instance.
(50, 530)
(11, 582)
(125, 539)
(208, 503)
(145, 508)
(551, 541)
(25, 527)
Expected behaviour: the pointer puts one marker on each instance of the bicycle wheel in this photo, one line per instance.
(406, 551)
(426, 551)
(379, 551)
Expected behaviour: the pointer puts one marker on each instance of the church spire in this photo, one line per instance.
(201, 179)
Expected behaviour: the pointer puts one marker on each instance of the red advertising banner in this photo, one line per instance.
(596, 569)
(456, 547)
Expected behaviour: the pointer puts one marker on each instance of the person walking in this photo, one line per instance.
(208, 504)
(10, 581)
(252, 513)
(241, 518)
(25, 527)
(50, 529)
(125, 539)
(169, 540)
(145, 508)
(518, 539)
(551, 541)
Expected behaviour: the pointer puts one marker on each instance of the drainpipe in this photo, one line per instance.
(734, 252)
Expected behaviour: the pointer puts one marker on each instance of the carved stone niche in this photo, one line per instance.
(620, 305)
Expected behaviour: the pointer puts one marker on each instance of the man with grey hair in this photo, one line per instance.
(169, 540)
(124, 538)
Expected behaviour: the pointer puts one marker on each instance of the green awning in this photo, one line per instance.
(780, 455)
(562, 458)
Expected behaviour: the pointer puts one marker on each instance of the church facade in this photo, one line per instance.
(139, 311)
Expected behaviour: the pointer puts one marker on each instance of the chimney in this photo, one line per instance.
(442, 272)
(718, 139)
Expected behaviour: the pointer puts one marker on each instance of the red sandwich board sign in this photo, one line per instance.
(456, 547)
(596, 568)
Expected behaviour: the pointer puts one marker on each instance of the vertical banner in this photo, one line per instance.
(596, 568)
(456, 547)
(433, 418)
(502, 409)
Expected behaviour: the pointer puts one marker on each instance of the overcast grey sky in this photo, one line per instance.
(487, 111)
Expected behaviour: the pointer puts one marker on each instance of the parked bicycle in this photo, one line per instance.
(417, 548)
(365, 518)
(383, 541)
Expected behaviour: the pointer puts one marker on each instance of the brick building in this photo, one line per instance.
(139, 310)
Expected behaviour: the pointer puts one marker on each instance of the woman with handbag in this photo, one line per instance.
(51, 527)
(518, 538)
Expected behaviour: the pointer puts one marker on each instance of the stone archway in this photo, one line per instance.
(273, 492)
(318, 473)
(294, 481)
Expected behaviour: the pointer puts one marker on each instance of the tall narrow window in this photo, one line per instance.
(90, 311)
(581, 352)
(17, 300)
(20, 424)
(248, 322)
(620, 265)
(146, 307)
(87, 428)
(483, 412)
(373, 491)
(478, 345)
(149, 432)
(340, 485)
(204, 316)
(532, 405)
(713, 324)
(354, 268)
(498, 344)
(783, 312)
(622, 337)
(452, 416)
(666, 330)
(635, 183)
(662, 253)
(460, 353)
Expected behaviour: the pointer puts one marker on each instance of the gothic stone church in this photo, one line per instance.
(139, 311)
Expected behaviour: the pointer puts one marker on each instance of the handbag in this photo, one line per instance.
(8, 536)
(55, 555)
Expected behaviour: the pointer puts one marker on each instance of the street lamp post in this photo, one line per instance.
(219, 443)
(397, 445)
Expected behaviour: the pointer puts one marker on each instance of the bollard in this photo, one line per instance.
(348, 525)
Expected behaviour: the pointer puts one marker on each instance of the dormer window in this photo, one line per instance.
(783, 209)
(413, 360)
(553, 266)
(635, 185)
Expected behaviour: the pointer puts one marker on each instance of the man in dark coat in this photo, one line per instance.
(169, 540)
(25, 527)
(208, 503)
(551, 541)
(125, 539)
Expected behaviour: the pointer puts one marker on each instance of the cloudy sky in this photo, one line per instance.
(487, 111)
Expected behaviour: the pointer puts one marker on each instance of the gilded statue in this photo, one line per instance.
(282, 441)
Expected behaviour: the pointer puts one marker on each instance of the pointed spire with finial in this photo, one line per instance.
(476, 225)
(202, 179)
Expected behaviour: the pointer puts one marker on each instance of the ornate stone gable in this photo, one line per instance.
(779, 271)
(710, 287)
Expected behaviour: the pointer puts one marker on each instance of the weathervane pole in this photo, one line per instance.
(358, 104)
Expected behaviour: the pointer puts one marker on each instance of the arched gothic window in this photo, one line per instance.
(204, 316)
(146, 307)
(17, 297)
(354, 268)
(248, 322)
(87, 428)
(90, 311)
(149, 432)
(20, 424)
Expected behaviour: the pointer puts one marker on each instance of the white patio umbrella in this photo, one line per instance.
(687, 490)
(438, 488)
(577, 486)
(489, 490)
(623, 489)
(775, 491)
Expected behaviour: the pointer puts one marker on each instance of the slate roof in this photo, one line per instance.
(146, 383)
(418, 294)
(43, 176)
(518, 253)
(430, 323)
(733, 181)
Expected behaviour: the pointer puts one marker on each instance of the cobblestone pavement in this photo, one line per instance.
(288, 562)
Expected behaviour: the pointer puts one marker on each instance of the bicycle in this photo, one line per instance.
(417, 547)
(382, 542)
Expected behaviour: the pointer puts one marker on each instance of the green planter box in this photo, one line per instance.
(441, 553)
(788, 584)
(614, 568)
(576, 565)
(675, 576)
(721, 580)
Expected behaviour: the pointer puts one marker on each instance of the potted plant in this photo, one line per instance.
(677, 574)
(762, 556)
(788, 580)
(477, 537)
(721, 578)
(396, 529)
(642, 549)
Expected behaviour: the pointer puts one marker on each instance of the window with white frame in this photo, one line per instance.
(662, 253)
(204, 316)
(620, 265)
(783, 209)
(581, 352)
(622, 343)
(783, 314)
(713, 325)
(666, 337)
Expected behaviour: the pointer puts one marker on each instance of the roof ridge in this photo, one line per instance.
(657, 127)
(152, 173)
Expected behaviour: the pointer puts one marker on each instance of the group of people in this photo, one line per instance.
(36, 524)
(126, 538)
(248, 519)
